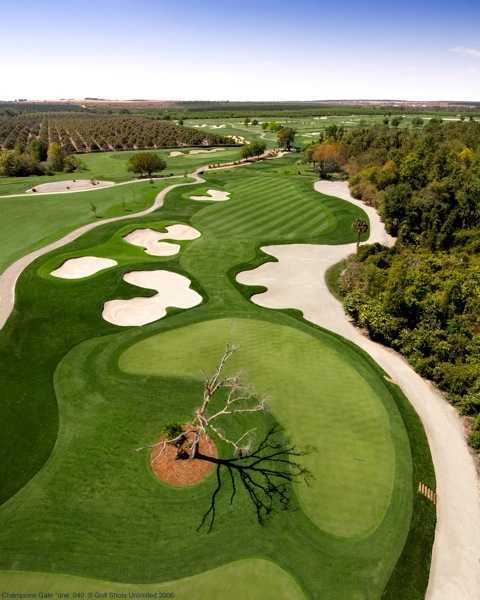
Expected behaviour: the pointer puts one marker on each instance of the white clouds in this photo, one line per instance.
(472, 52)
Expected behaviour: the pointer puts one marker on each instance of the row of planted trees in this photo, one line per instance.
(87, 133)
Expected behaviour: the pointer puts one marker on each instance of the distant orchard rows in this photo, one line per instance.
(87, 133)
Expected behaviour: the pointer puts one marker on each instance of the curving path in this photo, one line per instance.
(297, 280)
(9, 277)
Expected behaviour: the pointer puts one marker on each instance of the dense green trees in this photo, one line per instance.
(286, 137)
(253, 149)
(146, 163)
(423, 296)
(35, 159)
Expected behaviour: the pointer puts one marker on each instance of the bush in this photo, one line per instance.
(253, 149)
(146, 163)
(172, 430)
(474, 440)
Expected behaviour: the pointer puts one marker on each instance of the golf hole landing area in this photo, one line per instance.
(173, 290)
(314, 387)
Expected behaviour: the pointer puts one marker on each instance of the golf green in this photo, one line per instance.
(316, 393)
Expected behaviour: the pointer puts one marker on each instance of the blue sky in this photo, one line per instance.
(242, 50)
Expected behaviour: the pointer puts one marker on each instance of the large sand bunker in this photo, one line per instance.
(174, 153)
(150, 240)
(216, 195)
(85, 266)
(72, 185)
(172, 290)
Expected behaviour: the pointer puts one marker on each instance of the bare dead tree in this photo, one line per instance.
(265, 470)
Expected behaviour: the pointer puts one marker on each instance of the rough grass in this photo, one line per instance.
(94, 509)
(248, 579)
(112, 166)
(30, 223)
(332, 278)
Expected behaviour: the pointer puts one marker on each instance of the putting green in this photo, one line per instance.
(312, 389)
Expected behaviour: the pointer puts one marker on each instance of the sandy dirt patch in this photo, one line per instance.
(205, 151)
(215, 195)
(178, 472)
(297, 280)
(151, 240)
(85, 266)
(70, 186)
(173, 290)
(176, 153)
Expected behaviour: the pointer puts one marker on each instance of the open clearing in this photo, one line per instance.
(85, 499)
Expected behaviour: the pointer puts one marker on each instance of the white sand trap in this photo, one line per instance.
(70, 186)
(76, 268)
(172, 290)
(151, 240)
(205, 151)
(176, 153)
(216, 195)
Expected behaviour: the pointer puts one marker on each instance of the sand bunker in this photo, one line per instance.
(174, 153)
(76, 268)
(172, 290)
(150, 240)
(216, 195)
(205, 150)
(70, 186)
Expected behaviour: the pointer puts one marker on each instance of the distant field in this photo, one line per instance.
(112, 166)
(308, 127)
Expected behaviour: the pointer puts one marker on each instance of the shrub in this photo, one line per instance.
(172, 430)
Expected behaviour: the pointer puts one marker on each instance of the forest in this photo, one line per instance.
(77, 133)
(421, 297)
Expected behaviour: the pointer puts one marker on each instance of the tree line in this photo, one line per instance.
(36, 158)
(421, 297)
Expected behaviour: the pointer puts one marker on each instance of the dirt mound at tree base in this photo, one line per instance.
(181, 472)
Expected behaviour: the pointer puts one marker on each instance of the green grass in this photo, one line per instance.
(332, 278)
(30, 223)
(354, 461)
(308, 127)
(112, 166)
(85, 504)
(248, 579)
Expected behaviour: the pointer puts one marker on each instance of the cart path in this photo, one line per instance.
(297, 280)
